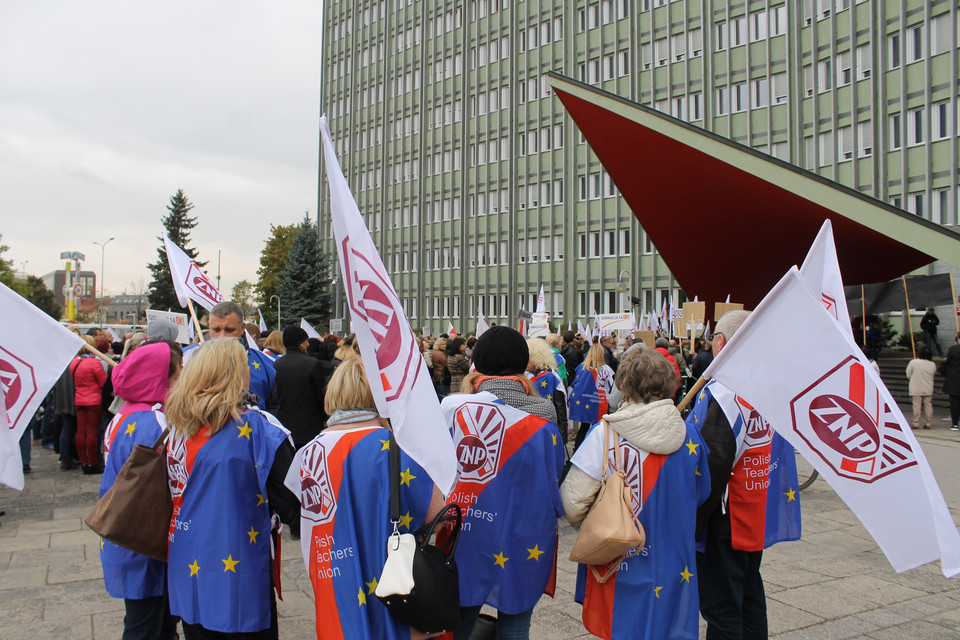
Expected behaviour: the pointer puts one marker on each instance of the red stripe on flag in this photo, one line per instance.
(857, 382)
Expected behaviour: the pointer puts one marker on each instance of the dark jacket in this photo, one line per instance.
(574, 358)
(701, 362)
(300, 386)
(950, 368)
(610, 360)
(722, 445)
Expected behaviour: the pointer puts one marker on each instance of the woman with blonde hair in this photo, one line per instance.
(226, 463)
(546, 381)
(342, 478)
(273, 345)
(506, 437)
(665, 468)
(587, 400)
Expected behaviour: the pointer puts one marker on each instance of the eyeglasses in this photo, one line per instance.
(714, 335)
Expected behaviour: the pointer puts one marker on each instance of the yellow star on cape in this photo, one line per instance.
(696, 419)
(578, 402)
(101, 543)
(131, 427)
(697, 471)
(554, 436)
(702, 393)
(656, 592)
(260, 499)
(692, 447)
(791, 495)
(385, 445)
(543, 384)
(500, 560)
(245, 431)
(571, 394)
(361, 598)
(256, 365)
(534, 553)
(685, 575)
(586, 406)
(372, 585)
(194, 568)
(253, 533)
(229, 563)
(406, 519)
(550, 397)
(406, 477)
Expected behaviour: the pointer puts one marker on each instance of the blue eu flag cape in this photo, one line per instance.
(219, 561)
(546, 384)
(342, 478)
(763, 494)
(587, 400)
(262, 373)
(509, 463)
(654, 594)
(127, 574)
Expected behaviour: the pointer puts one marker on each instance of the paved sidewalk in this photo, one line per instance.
(834, 583)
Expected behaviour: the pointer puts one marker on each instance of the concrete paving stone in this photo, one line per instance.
(75, 572)
(926, 581)
(550, 624)
(888, 616)
(49, 526)
(817, 524)
(294, 604)
(849, 627)
(917, 630)
(788, 575)
(107, 625)
(782, 618)
(78, 628)
(852, 565)
(24, 543)
(5, 559)
(824, 600)
(54, 557)
(23, 577)
(876, 589)
(74, 538)
(66, 513)
(950, 619)
(80, 607)
(22, 613)
(843, 515)
(297, 628)
(839, 542)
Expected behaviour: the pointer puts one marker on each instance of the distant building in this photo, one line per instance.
(478, 188)
(87, 280)
(126, 308)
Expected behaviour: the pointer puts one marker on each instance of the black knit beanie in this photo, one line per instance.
(501, 351)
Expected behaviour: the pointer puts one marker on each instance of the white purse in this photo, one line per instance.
(397, 575)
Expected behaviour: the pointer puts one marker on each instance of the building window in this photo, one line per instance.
(761, 92)
(625, 63)
(758, 26)
(779, 81)
(695, 43)
(844, 71)
(864, 61)
(940, 206)
(940, 120)
(778, 20)
(678, 44)
(915, 43)
(696, 107)
(896, 132)
(723, 101)
(722, 35)
(739, 29)
(845, 142)
(824, 69)
(826, 149)
(915, 127)
(893, 51)
(582, 246)
(915, 202)
(679, 107)
(864, 139)
(940, 34)
(625, 241)
(740, 101)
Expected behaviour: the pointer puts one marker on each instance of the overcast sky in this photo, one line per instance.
(107, 107)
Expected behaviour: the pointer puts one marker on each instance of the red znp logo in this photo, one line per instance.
(849, 423)
(19, 385)
(176, 466)
(757, 430)
(198, 283)
(632, 460)
(316, 494)
(373, 300)
(481, 428)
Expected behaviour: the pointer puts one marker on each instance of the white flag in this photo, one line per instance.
(34, 352)
(481, 325)
(251, 343)
(263, 324)
(541, 301)
(188, 280)
(833, 408)
(450, 330)
(596, 327)
(401, 385)
(581, 329)
(113, 335)
(821, 270)
(311, 332)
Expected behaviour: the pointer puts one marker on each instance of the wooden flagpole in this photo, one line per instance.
(690, 394)
(906, 297)
(100, 355)
(196, 323)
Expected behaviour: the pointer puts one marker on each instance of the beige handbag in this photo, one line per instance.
(611, 529)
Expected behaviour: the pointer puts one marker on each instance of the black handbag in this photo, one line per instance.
(420, 583)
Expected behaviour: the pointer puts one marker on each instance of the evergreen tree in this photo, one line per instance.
(305, 283)
(6, 266)
(273, 260)
(39, 295)
(178, 224)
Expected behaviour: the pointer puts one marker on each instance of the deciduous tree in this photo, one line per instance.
(39, 295)
(273, 260)
(242, 294)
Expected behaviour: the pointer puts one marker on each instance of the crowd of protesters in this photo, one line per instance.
(251, 414)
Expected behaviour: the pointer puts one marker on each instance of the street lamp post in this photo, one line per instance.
(278, 310)
(102, 245)
(23, 268)
(623, 287)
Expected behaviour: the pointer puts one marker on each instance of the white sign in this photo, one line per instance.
(180, 319)
(336, 325)
(615, 322)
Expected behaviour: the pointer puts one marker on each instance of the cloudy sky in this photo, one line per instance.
(107, 107)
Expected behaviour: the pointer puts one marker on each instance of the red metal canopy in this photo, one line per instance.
(722, 228)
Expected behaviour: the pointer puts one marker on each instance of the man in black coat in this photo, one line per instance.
(950, 369)
(301, 384)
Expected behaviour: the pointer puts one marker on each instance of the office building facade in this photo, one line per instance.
(478, 188)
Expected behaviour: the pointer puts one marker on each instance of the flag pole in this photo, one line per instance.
(196, 323)
(955, 303)
(690, 394)
(863, 315)
(100, 355)
(906, 296)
